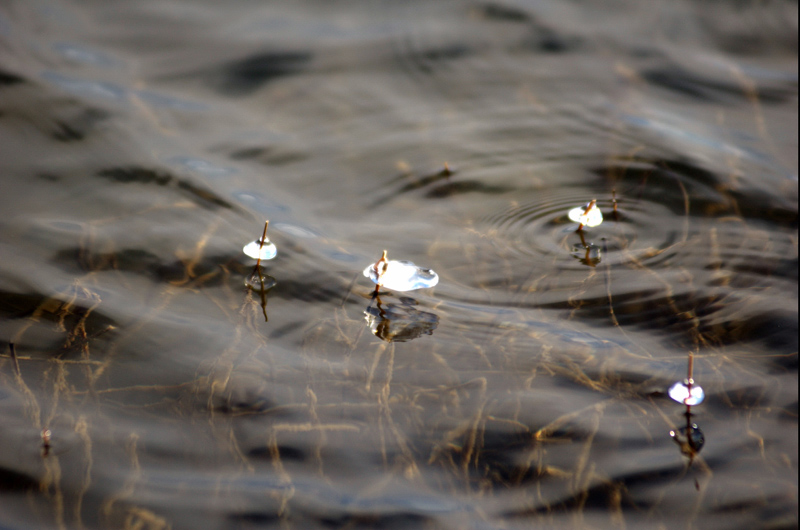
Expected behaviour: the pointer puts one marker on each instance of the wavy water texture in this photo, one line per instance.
(149, 381)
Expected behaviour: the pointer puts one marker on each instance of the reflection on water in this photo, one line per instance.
(689, 438)
(399, 322)
(261, 284)
(587, 252)
(143, 384)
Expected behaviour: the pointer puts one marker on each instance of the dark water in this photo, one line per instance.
(142, 144)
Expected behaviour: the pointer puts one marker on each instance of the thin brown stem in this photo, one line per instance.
(14, 358)
(257, 269)
(380, 269)
(261, 243)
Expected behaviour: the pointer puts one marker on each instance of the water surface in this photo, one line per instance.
(144, 144)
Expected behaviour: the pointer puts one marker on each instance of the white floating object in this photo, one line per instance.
(588, 215)
(400, 275)
(687, 392)
(256, 250)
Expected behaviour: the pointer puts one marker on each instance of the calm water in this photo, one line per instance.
(144, 143)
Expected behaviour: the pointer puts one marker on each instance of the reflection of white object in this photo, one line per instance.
(258, 281)
(588, 255)
(589, 215)
(266, 251)
(687, 392)
(400, 275)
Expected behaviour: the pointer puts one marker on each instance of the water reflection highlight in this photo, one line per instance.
(399, 322)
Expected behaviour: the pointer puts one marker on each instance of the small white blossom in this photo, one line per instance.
(400, 275)
(588, 215)
(256, 250)
(687, 393)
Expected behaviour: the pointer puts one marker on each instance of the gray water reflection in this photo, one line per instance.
(399, 321)
(142, 142)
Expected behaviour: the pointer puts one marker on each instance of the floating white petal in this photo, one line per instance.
(255, 250)
(401, 275)
(588, 215)
(687, 393)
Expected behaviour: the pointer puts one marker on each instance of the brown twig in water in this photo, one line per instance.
(263, 295)
(380, 269)
(608, 287)
(261, 245)
(614, 202)
(14, 358)
(46, 434)
(588, 207)
(690, 380)
(256, 274)
(446, 171)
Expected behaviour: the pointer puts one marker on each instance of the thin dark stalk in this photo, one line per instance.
(14, 358)
(261, 243)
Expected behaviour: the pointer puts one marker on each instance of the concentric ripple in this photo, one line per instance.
(640, 231)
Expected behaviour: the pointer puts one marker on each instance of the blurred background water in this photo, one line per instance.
(143, 144)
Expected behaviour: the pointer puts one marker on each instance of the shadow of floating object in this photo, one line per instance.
(596, 497)
(466, 186)
(283, 452)
(242, 77)
(546, 40)
(133, 174)
(78, 126)
(8, 79)
(242, 400)
(12, 481)
(444, 190)
(660, 181)
(426, 180)
(707, 89)
(207, 270)
(411, 182)
(70, 308)
(143, 175)
(650, 309)
(497, 12)
(539, 37)
(401, 322)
